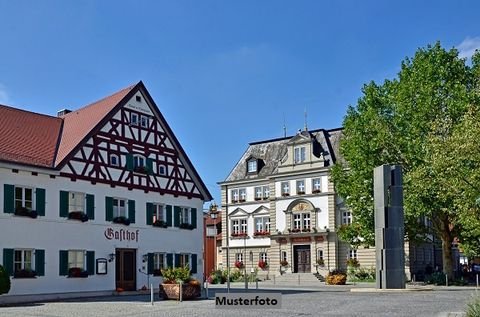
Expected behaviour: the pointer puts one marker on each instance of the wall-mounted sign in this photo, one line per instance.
(101, 266)
(301, 239)
(121, 234)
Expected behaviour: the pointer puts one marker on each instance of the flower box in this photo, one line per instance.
(261, 233)
(188, 226)
(294, 230)
(160, 224)
(26, 273)
(306, 230)
(77, 272)
(172, 291)
(121, 220)
(78, 215)
(239, 264)
(316, 191)
(285, 194)
(24, 212)
(141, 169)
(263, 265)
(300, 193)
(239, 235)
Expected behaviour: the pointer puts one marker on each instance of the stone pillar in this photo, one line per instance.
(389, 227)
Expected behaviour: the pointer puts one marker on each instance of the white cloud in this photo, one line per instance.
(468, 47)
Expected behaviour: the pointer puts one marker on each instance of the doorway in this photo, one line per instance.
(126, 269)
(302, 263)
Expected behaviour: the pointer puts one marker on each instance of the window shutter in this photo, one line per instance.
(91, 262)
(149, 213)
(150, 263)
(169, 260)
(40, 201)
(130, 162)
(8, 199)
(177, 260)
(149, 163)
(90, 206)
(193, 217)
(63, 203)
(176, 216)
(108, 208)
(194, 264)
(131, 211)
(40, 262)
(63, 262)
(8, 260)
(169, 215)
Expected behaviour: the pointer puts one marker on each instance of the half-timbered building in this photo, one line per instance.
(96, 199)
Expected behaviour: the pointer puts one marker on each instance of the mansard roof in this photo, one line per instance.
(273, 151)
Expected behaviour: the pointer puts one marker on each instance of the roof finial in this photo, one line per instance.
(284, 127)
(306, 129)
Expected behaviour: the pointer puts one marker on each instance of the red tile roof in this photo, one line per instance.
(79, 123)
(27, 137)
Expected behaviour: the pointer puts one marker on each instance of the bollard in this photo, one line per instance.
(151, 294)
(180, 293)
(299, 280)
(256, 283)
(206, 289)
(274, 280)
(413, 278)
(446, 279)
(477, 280)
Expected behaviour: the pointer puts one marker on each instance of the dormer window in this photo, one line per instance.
(134, 119)
(252, 166)
(299, 154)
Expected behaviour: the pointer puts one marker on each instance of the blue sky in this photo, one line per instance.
(223, 73)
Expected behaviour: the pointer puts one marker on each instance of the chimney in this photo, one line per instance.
(63, 112)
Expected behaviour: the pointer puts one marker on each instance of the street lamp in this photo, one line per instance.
(327, 230)
(214, 215)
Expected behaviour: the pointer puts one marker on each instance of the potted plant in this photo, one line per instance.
(239, 264)
(25, 212)
(263, 264)
(122, 220)
(173, 279)
(353, 263)
(336, 277)
(320, 262)
(4, 281)
(160, 224)
(78, 215)
(284, 263)
(188, 226)
(77, 272)
(24, 273)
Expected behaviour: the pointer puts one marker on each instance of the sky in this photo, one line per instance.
(223, 73)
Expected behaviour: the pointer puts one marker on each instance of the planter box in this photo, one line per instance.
(172, 291)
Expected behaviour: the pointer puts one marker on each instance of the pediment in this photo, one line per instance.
(300, 205)
(238, 212)
(262, 210)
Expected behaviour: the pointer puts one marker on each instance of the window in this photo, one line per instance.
(184, 260)
(283, 256)
(144, 121)
(285, 188)
(252, 166)
(134, 119)
(346, 217)
(316, 185)
(162, 170)
(266, 192)
(22, 260)
(352, 254)
(243, 194)
(306, 221)
(297, 221)
(184, 215)
(119, 207)
(262, 225)
(234, 194)
(262, 192)
(24, 197)
(299, 154)
(138, 98)
(235, 227)
(76, 258)
(239, 227)
(159, 213)
(76, 202)
(263, 257)
(138, 161)
(243, 226)
(239, 257)
(300, 187)
(159, 262)
(114, 161)
(320, 254)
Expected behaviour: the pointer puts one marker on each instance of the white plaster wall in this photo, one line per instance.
(53, 233)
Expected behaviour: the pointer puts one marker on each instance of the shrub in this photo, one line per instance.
(336, 277)
(4, 281)
(174, 275)
(361, 274)
(353, 263)
(437, 278)
(473, 308)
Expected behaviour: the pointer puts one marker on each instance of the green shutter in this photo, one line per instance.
(40, 201)
(130, 162)
(63, 203)
(8, 199)
(63, 262)
(169, 215)
(169, 260)
(176, 216)
(193, 217)
(149, 213)
(108, 208)
(177, 260)
(131, 211)
(149, 165)
(194, 264)
(150, 263)
(40, 262)
(91, 262)
(91, 206)
(8, 260)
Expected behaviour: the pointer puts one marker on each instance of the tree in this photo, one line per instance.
(402, 122)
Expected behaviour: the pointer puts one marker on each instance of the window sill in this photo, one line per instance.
(239, 237)
(121, 220)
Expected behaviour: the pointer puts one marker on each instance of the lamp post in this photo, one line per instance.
(227, 229)
(245, 258)
(214, 216)
(328, 248)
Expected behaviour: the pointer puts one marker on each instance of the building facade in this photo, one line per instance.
(212, 243)
(281, 213)
(97, 199)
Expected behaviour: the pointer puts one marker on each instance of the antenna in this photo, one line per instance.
(305, 113)
(284, 127)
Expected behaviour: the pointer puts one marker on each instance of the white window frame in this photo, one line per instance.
(162, 169)
(317, 185)
(252, 166)
(114, 160)
(242, 192)
(76, 202)
(76, 258)
(285, 188)
(346, 217)
(23, 263)
(239, 257)
(159, 260)
(159, 212)
(352, 254)
(235, 196)
(134, 120)
(297, 221)
(235, 226)
(139, 160)
(306, 221)
(300, 187)
(262, 224)
(185, 260)
(263, 256)
(284, 256)
(266, 192)
(144, 121)
(117, 207)
(185, 215)
(243, 225)
(28, 204)
(299, 154)
(320, 254)
(258, 192)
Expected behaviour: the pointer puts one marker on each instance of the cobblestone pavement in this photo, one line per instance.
(319, 301)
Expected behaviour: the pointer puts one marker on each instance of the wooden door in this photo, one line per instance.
(126, 269)
(302, 257)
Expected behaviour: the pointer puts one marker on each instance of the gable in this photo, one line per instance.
(262, 210)
(238, 212)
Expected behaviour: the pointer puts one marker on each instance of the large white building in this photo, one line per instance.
(96, 199)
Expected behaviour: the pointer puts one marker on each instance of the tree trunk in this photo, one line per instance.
(447, 240)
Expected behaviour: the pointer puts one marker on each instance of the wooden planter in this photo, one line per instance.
(172, 291)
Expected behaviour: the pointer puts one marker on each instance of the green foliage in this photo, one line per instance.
(4, 281)
(473, 308)
(173, 275)
(437, 278)
(217, 277)
(412, 120)
(361, 274)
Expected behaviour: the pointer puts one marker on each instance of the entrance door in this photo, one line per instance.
(126, 269)
(302, 259)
